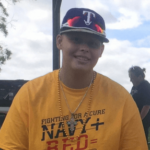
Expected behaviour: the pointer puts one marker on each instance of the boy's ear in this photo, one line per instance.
(59, 41)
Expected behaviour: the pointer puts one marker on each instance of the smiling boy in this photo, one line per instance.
(74, 108)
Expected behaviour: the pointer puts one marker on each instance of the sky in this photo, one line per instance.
(30, 37)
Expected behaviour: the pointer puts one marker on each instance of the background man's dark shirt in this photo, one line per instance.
(141, 95)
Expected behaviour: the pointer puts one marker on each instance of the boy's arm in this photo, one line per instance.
(145, 111)
(132, 135)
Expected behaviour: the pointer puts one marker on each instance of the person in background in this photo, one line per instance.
(141, 94)
(74, 108)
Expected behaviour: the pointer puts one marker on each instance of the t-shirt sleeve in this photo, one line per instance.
(132, 135)
(14, 131)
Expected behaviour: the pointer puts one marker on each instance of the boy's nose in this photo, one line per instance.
(84, 47)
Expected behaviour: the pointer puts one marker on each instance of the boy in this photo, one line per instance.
(74, 108)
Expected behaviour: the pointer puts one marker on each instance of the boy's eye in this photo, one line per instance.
(94, 44)
(76, 40)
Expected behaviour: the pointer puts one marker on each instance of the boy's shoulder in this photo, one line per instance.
(110, 85)
(44, 80)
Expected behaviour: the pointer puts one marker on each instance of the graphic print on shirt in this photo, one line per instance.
(52, 129)
(133, 91)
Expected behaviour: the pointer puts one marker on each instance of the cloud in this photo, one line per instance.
(141, 7)
(118, 57)
(143, 42)
(32, 32)
(30, 38)
(99, 8)
(30, 59)
(124, 14)
(30, 41)
(128, 19)
(38, 14)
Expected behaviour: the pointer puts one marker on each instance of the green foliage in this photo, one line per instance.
(15, 1)
(3, 28)
(4, 55)
(4, 52)
(3, 9)
(3, 22)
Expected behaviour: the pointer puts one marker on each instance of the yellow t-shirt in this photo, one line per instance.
(34, 123)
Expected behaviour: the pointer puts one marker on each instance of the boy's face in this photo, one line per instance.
(81, 51)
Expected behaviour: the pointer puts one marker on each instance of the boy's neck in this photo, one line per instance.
(76, 79)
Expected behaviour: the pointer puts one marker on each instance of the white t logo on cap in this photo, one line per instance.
(88, 22)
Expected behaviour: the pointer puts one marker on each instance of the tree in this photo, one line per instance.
(4, 52)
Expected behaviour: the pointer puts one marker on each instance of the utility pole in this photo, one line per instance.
(56, 27)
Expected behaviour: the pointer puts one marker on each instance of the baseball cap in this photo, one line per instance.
(84, 20)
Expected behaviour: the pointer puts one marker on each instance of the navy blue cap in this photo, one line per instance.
(84, 20)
